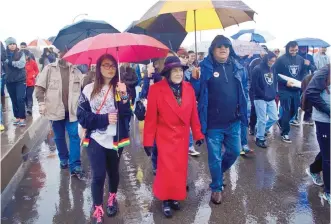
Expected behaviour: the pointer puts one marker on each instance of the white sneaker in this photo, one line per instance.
(192, 151)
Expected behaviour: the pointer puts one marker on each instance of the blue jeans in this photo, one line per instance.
(191, 139)
(243, 134)
(59, 128)
(219, 163)
(264, 109)
(16, 92)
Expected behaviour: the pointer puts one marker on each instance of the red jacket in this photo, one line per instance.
(169, 125)
(32, 70)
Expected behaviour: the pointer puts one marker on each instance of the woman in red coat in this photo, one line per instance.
(171, 112)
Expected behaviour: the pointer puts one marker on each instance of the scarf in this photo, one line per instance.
(177, 91)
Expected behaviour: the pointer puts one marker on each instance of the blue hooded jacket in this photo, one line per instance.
(201, 85)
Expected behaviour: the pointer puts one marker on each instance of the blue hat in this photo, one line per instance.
(170, 63)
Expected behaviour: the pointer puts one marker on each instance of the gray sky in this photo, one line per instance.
(285, 19)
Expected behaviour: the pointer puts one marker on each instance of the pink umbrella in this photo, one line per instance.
(126, 47)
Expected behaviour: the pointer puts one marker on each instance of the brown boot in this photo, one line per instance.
(217, 197)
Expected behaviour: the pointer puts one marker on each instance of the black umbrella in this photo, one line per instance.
(172, 39)
(72, 34)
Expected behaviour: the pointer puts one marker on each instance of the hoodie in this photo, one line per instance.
(230, 71)
(263, 80)
(290, 66)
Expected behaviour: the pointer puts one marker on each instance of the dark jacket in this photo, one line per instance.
(290, 66)
(254, 62)
(201, 86)
(319, 82)
(305, 104)
(91, 121)
(312, 66)
(129, 77)
(15, 68)
(146, 80)
(264, 82)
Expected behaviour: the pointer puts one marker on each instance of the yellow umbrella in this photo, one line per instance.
(196, 15)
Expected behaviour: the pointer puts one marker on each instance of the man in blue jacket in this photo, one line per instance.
(293, 66)
(222, 107)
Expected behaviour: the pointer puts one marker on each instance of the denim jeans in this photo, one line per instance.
(59, 128)
(289, 102)
(16, 92)
(323, 138)
(191, 139)
(29, 97)
(243, 134)
(219, 163)
(265, 109)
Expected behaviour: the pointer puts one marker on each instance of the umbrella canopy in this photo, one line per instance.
(253, 35)
(172, 39)
(312, 42)
(200, 15)
(126, 47)
(72, 34)
(51, 39)
(39, 43)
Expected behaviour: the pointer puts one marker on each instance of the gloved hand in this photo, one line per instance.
(200, 142)
(42, 108)
(148, 150)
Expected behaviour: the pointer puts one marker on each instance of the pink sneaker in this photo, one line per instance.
(98, 215)
(112, 206)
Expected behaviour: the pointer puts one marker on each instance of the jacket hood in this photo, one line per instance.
(267, 57)
(221, 40)
(301, 48)
(287, 47)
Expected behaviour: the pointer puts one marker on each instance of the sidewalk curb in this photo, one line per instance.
(15, 162)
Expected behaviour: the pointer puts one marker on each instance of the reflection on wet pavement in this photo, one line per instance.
(269, 186)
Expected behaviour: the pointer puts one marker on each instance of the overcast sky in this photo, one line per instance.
(285, 19)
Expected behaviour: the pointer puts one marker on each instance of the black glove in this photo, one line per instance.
(200, 142)
(148, 150)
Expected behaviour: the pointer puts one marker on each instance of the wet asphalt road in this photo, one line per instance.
(269, 186)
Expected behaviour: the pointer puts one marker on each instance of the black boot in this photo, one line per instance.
(175, 205)
(112, 205)
(261, 143)
(166, 209)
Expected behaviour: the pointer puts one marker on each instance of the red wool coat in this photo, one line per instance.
(169, 124)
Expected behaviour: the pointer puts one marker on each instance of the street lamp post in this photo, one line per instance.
(82, 14)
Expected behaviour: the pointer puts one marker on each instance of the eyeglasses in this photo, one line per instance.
(108, 66)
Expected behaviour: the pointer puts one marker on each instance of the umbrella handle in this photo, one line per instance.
(118, 64)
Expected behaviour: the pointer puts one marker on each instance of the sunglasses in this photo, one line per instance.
(184, 57)
(223, 45)
(108, 66)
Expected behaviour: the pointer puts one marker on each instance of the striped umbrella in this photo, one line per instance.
(198, 15)
(39, 43)
(253, 35)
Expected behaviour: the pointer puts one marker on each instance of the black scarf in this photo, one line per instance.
(177, 91)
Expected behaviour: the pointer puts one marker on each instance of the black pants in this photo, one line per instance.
(16, 92)
(28, 97)
(307, 116)
(253, 118)
(102, 161)
(289, 102)
(322, 160)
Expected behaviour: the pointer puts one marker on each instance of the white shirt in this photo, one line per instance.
(103, 137)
